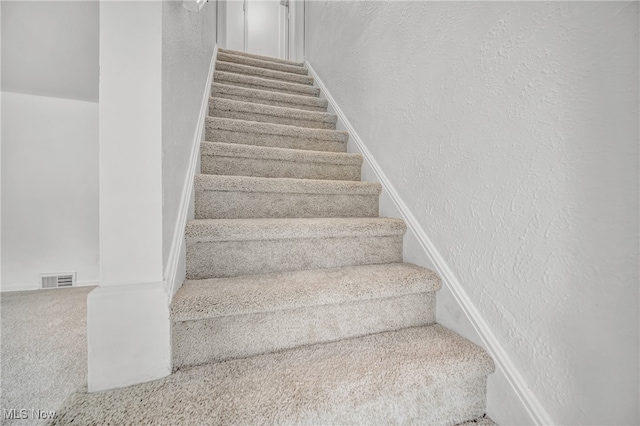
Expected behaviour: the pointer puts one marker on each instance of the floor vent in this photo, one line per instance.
(58, 280)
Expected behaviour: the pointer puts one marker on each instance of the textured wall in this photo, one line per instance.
(188, 40)
(511, 132)
(50, 48)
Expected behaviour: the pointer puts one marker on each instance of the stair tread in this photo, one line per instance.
(206, 230)
(261, 63)
(266, 95)
(244, 126)
(204, 182)
(218, 297)
(265, 83)
(320, 383)
(264, 73)
(260, 57)
(283, 154)
(270, 110)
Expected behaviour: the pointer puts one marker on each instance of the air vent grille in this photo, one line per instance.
(67, 279)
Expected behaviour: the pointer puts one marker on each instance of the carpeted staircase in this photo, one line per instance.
(297, 306)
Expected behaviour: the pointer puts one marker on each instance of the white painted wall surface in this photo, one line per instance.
(296, 30)
(49, 189)
(264, 24)
(510, 130)
(188, 41)
(221, 23)
(131, 143)
(128, 328)
(50, 48)
(235, 25)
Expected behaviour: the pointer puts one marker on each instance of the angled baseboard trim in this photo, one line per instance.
(171, 277)
(449, 279)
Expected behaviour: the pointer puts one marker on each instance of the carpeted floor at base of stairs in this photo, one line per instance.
(426, 375)
(43, 351)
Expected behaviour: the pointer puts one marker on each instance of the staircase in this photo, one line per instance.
(297, 306)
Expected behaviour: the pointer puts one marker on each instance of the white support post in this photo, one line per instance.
(128, 324)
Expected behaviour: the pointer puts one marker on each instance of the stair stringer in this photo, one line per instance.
(509, 400)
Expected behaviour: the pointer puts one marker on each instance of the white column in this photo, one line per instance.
(128, 317)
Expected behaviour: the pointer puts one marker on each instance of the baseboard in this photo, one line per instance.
(505, 366)
(171, 277)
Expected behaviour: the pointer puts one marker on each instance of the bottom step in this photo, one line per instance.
(427, 375)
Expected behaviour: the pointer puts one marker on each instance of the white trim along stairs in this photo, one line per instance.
(297, 307)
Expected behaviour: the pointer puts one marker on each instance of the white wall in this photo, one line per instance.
(49, 189)
(50, 141)
(264, 23)
(234, 37)
(188, 40)
(50, 48)
(296, 30)
(130, 142)
(128, 328)
(221, 23)
(510, 130)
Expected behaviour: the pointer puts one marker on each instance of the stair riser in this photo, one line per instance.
(457, 402)
(232, 258)
(264, 73)
(240, 336)
(238, 166)
(263, 118)
(268, 85)
(271, 102)
(245, 205)
(244, 60)
(275, 141)
(262, 58)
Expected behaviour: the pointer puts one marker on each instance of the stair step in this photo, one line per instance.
(260, 57)
(418, 375)
(224, 318)
(264, 73)
(241, 197)
(260, 63)
(237, 93)
(229, 130)
(265, 84)
(232, 247)
(219, 158)
(252, 294)
(239, 110)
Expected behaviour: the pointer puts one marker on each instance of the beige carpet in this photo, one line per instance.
(43, 356)
(420, 375)
(43, 350)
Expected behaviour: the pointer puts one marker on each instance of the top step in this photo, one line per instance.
(276, 66)
(260, 57)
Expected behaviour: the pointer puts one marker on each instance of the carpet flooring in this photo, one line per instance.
(43, 351)
(43, 354)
